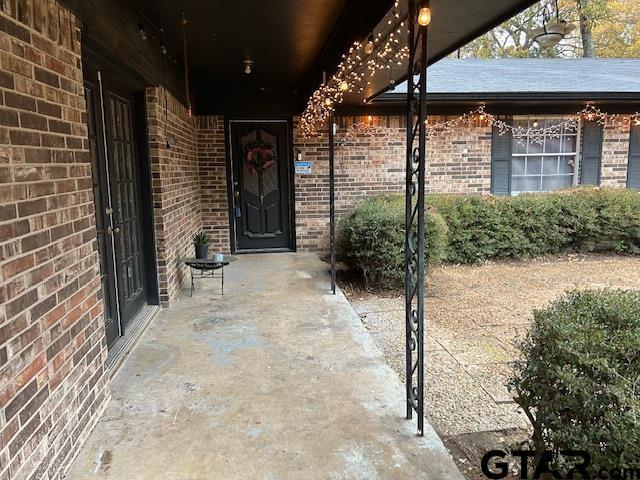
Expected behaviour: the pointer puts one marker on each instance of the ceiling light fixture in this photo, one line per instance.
(248, 66)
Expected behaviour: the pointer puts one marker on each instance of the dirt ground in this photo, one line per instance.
(474, 317)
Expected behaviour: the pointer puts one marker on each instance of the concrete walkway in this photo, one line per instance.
(275, 380)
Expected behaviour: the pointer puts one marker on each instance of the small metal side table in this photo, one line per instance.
(207, 268)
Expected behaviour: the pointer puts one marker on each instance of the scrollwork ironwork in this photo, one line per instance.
(415, 209)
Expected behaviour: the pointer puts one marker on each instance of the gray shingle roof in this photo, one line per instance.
(532, 75)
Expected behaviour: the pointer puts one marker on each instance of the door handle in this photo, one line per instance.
(111, 231)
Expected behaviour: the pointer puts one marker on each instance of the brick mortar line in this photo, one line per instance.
(44, 99)
(49, 132)
(41, 182)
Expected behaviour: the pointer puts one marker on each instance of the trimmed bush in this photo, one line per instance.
(478, 228)
(372, 240)
(579, 378)
(577, 219)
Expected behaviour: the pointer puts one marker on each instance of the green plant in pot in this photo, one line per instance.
(201, 243)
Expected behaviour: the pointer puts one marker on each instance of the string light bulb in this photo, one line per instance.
(327, 102)
(424, 15)
(368, 48)
(369, 118)
(142, 31)
(344, 86)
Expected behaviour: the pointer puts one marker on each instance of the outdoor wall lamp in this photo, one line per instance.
(248, 65)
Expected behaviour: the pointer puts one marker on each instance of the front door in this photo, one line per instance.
(117, 190)
(260, 156)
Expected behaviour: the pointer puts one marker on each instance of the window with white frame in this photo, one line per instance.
(543, 161)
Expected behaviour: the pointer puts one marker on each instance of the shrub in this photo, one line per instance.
(577, 219)
(478, 228)
(372, 239)
(579, 377)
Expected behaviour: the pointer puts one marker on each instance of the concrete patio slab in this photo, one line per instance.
(277, 379)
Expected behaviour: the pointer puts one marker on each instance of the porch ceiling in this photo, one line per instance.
(292, 42)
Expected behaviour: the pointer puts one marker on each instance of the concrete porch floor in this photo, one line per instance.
(277, 379)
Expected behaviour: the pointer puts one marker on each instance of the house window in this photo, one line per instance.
(543, 163)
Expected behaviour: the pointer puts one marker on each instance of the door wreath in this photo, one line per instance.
(259, 156)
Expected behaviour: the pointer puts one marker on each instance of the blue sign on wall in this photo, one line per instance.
(303, 168)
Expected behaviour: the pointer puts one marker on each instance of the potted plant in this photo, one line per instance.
(201, 242)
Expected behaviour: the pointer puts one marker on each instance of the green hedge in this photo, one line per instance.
(372, 239)
(473, 229)
(579, 377)
(579, 219)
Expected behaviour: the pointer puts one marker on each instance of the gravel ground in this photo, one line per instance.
(474, 316)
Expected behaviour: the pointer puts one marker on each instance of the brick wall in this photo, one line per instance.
(615, 155)
(459, 161)
(368, 165)
(212, 163)
(176, 188)
(53, 384)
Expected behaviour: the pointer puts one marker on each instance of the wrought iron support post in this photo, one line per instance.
(332, 204)
(415, 209)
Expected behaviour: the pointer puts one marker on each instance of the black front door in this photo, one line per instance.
(116, 187)
(260, 156)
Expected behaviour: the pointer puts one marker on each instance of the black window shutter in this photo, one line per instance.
(501, 160)
(633, 169)
(591, 153)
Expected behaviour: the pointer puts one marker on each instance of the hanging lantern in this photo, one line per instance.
(550, 34)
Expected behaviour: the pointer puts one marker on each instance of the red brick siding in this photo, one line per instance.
(176, 188)
(212, 163)
(615, 155)
(457, 162)
(53, 384)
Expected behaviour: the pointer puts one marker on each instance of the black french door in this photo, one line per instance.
(117, 197)
(261, 184)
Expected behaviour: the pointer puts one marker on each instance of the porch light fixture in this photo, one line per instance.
(368, 48)
(248, 65)
(424, 15)
(550, 33)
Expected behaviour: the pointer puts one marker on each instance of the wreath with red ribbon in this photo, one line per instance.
(259, 156)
